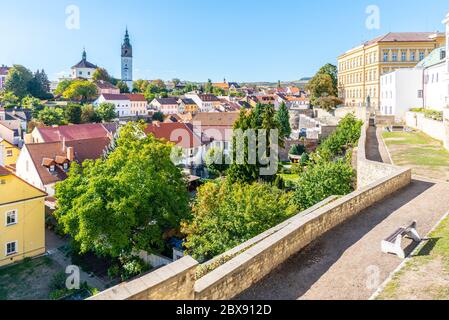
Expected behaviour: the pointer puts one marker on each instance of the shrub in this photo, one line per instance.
(227, 214)
(58, 281)
(297, 150)
(133, 267)
(345, 136)
(429, 113)
(321, 181)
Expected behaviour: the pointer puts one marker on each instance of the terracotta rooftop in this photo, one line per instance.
(104, 85)
(119, 97)
(404, 37)
(181, 134)
(136, 97)
(226, 119)
(44, 154)
(208, 98)
(77, 132)
(4, 171)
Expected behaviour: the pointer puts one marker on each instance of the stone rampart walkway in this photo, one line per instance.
(347, 263)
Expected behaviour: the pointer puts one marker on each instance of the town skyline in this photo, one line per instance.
(230, 42)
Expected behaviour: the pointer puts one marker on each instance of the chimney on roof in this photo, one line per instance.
(70, 154)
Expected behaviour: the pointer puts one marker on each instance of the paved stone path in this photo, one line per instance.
(347, 263)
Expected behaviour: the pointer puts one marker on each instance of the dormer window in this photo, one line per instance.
(52, 168)
(65, 166)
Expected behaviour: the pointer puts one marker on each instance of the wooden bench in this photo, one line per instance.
(393, 244)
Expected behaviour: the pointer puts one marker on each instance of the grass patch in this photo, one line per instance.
(425, 155)
(435, 249)
(404, 138)
(27, 280)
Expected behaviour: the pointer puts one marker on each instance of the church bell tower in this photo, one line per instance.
(127, 61)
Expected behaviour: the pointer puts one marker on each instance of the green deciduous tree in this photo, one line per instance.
(51, 116)
(321, 181)
(332, 71)
(106, 112)
(127, 201)
(9, 100)
(72, 113)
(140, 85)
(323, 87)
(208, 87)
(263, 117)
(225, 215)
(344, 137)
(216, 161)
(81, 90)
(158, 116)
(123, 87)
(101, 74)
(63, 86)
(18, 81)
(89, 115)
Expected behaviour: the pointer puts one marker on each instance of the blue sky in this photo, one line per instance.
(242, 40)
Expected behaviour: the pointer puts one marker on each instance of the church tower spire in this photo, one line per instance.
(127, 61)
(84, 54)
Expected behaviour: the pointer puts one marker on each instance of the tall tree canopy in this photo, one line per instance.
(106, 112)
(226, 215)
(140, 85)
(123, 87)
(323, 88)
(72, 113)
(332, 71)
(18, 81)
(101, 74)
(80, 90)
(263, 117)
(124, 202)
(51, 116)
(283, 117)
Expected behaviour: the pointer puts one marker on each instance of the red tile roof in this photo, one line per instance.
(76, 132)
(404, 37)
(136, 97)
(116, 97)
(226, 119)
(178, 133)
(208, 98)
(43, 154)
(4, 171)
(104, 85)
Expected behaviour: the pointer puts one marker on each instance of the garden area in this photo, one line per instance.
(42, 278)
(416, 150)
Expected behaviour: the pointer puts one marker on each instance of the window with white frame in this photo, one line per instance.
(11, 248)
(11, 218)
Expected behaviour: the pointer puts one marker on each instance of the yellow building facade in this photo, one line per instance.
(8, 152)
(22, 219)
(360, 68)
